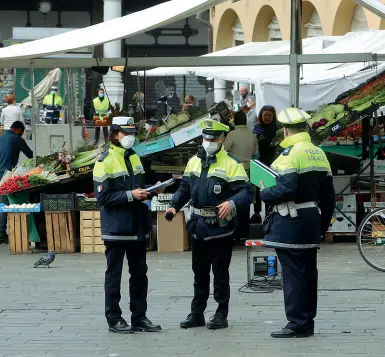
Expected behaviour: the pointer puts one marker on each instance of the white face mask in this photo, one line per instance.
(128, 141)
(248, 105)
(211, 147)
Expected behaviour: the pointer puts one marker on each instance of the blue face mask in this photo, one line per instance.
(101, 95)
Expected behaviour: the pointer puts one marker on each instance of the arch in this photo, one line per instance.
(309, 11)
(224, 36)
(262, 21)
(343, 18)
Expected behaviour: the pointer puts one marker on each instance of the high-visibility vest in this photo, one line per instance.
(52, 100)
(101, 107)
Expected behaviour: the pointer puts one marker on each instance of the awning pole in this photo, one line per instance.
(295, 50)
(34, 112)
(69, 105)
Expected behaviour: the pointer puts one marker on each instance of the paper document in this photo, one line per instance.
(261, 172)
(160, 186)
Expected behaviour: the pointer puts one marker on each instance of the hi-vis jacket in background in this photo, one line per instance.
(101, 106)
(118, 172)
(209, 182)
(304, 179)
(52, 103)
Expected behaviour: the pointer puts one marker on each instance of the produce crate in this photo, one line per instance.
(86, 204)
(18, 233)
(90, 234)
(58, 202)
(161, 143)
(61, 231)
(19, 210)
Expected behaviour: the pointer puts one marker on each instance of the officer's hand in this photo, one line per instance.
(161, 190)
(169, 212)
(262, 185)
(224, 210)
(140, 194)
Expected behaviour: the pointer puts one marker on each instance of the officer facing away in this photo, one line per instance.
(217, 185)
(303, 201)
(125, 224)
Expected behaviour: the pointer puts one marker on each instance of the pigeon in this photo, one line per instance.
(46, 260)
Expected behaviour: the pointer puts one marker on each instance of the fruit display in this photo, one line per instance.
(347, 109)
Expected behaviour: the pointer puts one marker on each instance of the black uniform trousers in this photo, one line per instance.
(215, 253)
(138, 284)
(300, 284)
(97, 134)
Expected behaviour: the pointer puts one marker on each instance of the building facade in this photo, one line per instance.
(269, 20)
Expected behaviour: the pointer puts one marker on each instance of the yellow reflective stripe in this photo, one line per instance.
(239, 178)
(313, 168)
(219, 175)
(287, 171)
(190, 173)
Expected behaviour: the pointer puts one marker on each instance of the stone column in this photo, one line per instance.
(219, 90)
(113, 80)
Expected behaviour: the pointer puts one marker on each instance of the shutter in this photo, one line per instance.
(23, 84)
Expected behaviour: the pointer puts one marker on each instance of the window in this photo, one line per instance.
(274, 30)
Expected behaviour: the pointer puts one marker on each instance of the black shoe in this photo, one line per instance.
(217, 322)
(121, 327)
(193, 321)
(287, 333)
(145, 325)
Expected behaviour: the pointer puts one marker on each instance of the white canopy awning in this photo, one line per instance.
(375, 6)
(116, 29)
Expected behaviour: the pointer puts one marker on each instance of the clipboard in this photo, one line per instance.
(261, 172)
(160, 186)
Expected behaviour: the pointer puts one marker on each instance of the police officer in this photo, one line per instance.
(52, 104)
(125, 224)
(217, 185)
(101, 107)
(303, 201)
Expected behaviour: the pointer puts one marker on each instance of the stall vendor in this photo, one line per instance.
(11, 144)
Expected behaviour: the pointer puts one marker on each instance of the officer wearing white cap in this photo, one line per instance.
(217, 185)
(303, 201)
(119, 182)
(52, 104)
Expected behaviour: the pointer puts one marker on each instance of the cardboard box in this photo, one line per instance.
(172, 236)
(339, 224)
(346, 203)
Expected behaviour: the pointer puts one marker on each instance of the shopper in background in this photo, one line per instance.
(52, 104)
(265, 130)
(303, 203)
(119, 183)
(243, 144)
(101, 106)
(251, 114)
(217, 185)
(244, 96)
(11, 144)
(11, 113)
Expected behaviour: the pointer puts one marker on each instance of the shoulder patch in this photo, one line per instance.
(286, 152)
(234, 158)
(103, 156)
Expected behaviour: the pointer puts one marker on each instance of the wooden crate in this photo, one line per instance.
(90, 233)
(18, 233)
(61, 231)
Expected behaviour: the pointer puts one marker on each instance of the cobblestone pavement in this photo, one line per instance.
(59, 311)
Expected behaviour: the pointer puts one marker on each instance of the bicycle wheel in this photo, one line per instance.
(371, 239)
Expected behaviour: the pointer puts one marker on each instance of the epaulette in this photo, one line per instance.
(234, 157)
(103, 156)
(286, 152)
